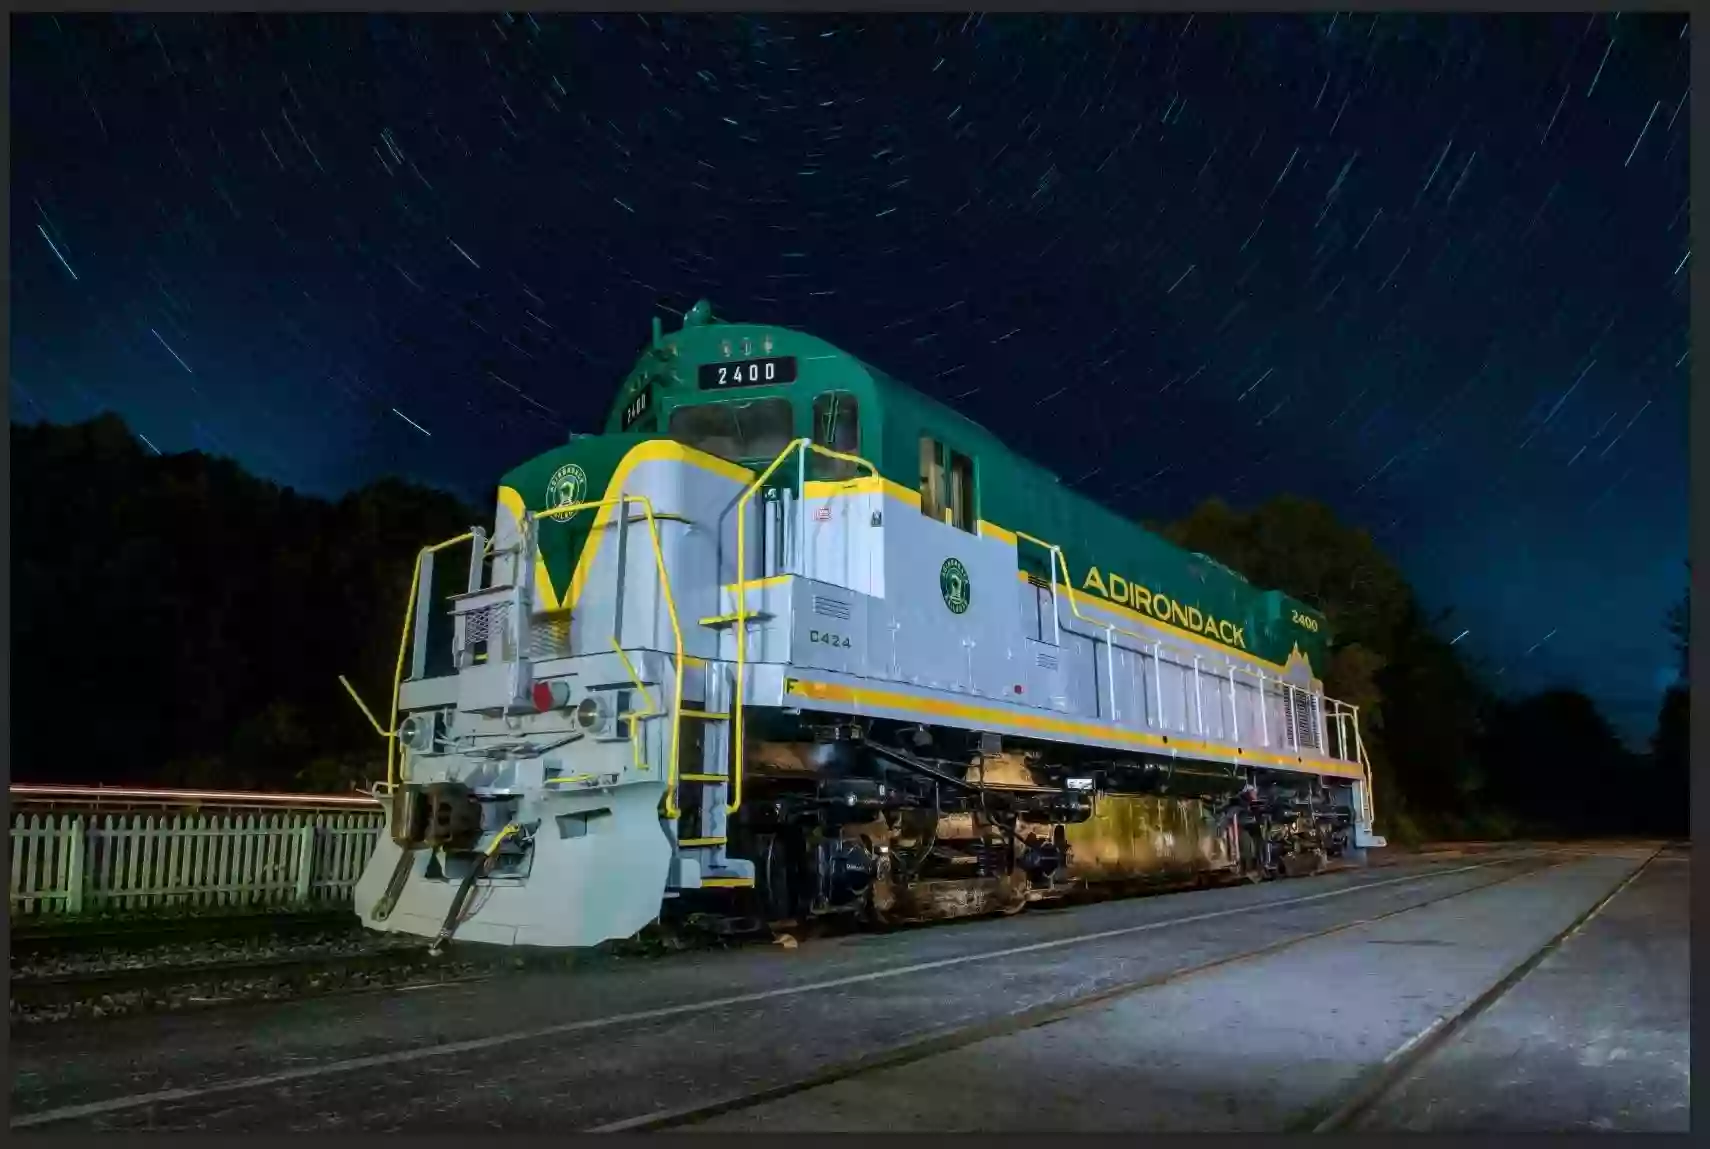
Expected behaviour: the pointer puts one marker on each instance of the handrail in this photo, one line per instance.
(742, 581)
(635, 719)
(1058, 562)
(24, 792)
(671, 808)
(563, 510)
(391, 734)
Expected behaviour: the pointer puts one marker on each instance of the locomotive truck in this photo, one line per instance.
(789, 639)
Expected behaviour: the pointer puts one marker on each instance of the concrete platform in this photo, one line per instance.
(617, 1041)
(1596, 1039)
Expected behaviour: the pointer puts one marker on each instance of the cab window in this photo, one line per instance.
(837, 425)
(946, 485)
(739, 432)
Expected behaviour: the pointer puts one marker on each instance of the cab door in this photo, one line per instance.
(842, 504)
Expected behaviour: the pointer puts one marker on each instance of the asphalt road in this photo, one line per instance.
(1247, 1007)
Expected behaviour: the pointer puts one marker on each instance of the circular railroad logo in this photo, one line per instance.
(953, 584)
(569, 484)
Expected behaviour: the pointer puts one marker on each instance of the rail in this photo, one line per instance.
(389, 732)
(799, 448)
(635, 720)
(1060, 565)
(1342, 711)
(91, 798)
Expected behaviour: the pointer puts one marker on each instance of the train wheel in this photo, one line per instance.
(1252, 853)
(772, 878)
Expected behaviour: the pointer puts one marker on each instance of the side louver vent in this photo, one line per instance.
(830, 607)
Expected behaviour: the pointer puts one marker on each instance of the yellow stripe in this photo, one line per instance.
(985, 715)
(652, 451)
(993, 531)
(861, 485)
(756, 584)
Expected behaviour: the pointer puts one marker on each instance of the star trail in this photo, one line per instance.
(1432, 271)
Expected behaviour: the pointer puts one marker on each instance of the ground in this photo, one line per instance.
(1254, 1008)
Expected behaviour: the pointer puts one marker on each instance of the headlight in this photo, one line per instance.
(416, 732)
(588, 715)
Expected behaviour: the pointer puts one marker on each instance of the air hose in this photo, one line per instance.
(454, 915)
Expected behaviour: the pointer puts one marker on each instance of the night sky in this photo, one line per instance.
(1431, 271)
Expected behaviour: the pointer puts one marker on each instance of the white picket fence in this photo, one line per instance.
(68, 864)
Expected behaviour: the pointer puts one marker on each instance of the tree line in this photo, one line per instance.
(1451, 756)
(178, 621)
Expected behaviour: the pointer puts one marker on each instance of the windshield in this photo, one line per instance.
(757, 429)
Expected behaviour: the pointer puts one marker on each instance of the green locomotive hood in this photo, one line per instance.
(578, 472)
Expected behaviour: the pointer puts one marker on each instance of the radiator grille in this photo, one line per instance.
(1304, 726)
(549, 638)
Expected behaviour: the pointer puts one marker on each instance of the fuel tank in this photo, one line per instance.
(1133, 836)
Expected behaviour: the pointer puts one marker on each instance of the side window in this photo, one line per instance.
(946, 485)
(837, 425)
(962, 493)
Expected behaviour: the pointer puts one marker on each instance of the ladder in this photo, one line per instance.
(701, 861)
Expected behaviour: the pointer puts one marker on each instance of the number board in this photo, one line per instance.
(748, 373)
(638, 407)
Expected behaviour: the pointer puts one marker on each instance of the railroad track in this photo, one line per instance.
(143, 933)
(84, 995)
(80, 985)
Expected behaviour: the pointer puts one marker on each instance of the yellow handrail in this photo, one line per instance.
(742, 582)
(671, 609)
(391, 734)
(363, 706)
(1057, 560)
(634, 720)
(671, 808)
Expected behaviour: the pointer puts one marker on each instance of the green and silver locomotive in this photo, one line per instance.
(791, 639)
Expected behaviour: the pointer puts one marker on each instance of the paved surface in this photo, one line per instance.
(1596, 1038)
(618, 1041)
(1248, 1047)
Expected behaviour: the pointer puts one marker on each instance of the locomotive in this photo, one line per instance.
(791, 640)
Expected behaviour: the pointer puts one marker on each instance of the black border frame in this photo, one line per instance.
(1698, 418)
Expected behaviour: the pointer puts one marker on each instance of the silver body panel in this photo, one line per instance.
(851, 615)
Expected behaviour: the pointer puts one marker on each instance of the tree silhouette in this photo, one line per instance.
(1420, 709)
(1670, 759)
(179, 621)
